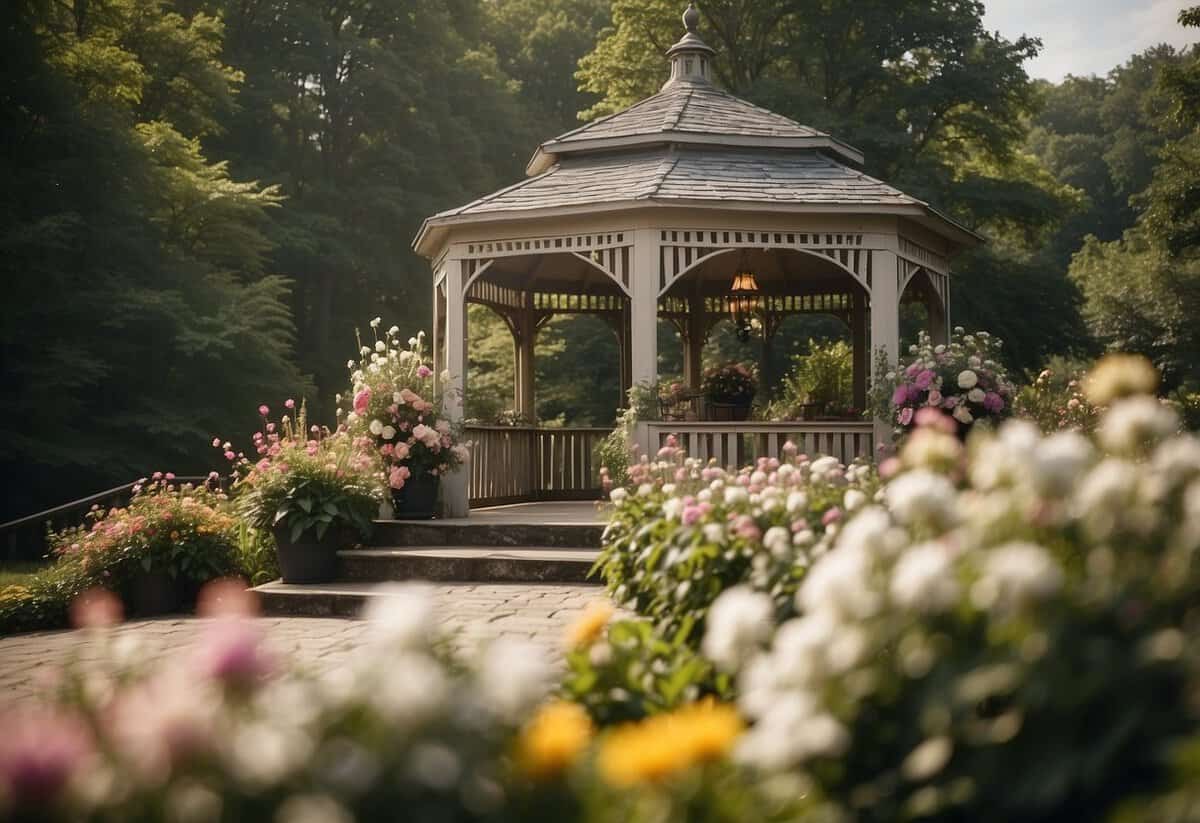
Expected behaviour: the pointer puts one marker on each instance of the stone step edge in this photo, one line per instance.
(432, 533)
(486, 566)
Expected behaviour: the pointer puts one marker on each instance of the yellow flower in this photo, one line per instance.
(666, 744)
(588, 628)
(13, 592)
(553, 739)
(1120, 375)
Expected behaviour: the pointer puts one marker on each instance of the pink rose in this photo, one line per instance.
(400, 451)
(397, 476)
(263, 410)
(935, 398)
(289, 403)
(423, 371)
(924, 380)
(361, 401)
(906, 416)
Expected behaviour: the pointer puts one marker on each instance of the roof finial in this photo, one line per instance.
(691, 57)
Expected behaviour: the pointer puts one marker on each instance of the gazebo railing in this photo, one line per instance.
(737, 444)
(514, 464)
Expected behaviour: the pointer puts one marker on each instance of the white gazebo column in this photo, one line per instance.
(860, 349)
(454, 485)
(643, 307)
(885, 321)
(524, 337)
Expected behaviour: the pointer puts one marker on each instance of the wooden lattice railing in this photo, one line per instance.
(738, 444)
(512, 464)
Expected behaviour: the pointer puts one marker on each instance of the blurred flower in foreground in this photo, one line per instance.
(553, 740)
(590, 625)
(665, 744)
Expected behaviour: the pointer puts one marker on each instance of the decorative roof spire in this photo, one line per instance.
(691, 57)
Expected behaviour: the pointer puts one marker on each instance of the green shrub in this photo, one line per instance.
(822, 379)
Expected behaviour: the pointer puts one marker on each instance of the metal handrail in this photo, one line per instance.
(12, 527)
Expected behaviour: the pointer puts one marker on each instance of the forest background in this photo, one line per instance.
(204, 198)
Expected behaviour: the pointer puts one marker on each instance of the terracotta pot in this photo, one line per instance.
(307, 560)
(417, 500)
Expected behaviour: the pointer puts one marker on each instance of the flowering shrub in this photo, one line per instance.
(395, 410)
(1010, 636)
(964, 379)
(1056, 400)
(184, 532)
(735, 384)
(226, 732)
(306, 479)
(820, 383)
(688, 531)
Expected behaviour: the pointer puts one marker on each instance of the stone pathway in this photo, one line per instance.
(473, 613)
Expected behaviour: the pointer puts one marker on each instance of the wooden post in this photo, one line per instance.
(454, 485)
(524, 339)
(693, 345)
(862, 353)
(644, 307)
(885, 321)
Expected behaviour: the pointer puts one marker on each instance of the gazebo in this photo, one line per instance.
(687, 206)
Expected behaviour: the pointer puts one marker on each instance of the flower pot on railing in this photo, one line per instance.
(417, 498)
(728, 411)
(308, 558)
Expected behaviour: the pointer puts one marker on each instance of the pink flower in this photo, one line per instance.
(400, 451)
(924, 380)
(230, 455)
(912, 370)
(361, 401)
(233, 654)
(906, 416)
(40, 751)
(397, 476)
(933, 418)
(423, 371)
(694, 512)
(935, 398)
(993, 402)
(216, 442)
(289, 403)
(831, 516)
(745, 527)
(169, 475)
(263, 410)
(900, 395)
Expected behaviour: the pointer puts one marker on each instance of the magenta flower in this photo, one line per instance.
(263, 410)
(361, 401)
(924, 380)
(233, 654)
(993, 402)
(40, 751)
(289, 403)
(900, 395)
(906, 416)
(423, 371)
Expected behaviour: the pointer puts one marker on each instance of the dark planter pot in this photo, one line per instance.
(418, 499)
(307, 560)
(155, 593)
(729, 411)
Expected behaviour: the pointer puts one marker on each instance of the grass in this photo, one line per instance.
(19, 574)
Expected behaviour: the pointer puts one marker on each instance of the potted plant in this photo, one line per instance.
(729, 390)
(395, 410)
(311, 488)
(963, 379)
(159, 549)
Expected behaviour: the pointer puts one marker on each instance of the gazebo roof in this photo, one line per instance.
(692, 144)
(690, 113)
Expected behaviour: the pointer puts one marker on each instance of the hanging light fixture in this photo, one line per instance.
(744, 300)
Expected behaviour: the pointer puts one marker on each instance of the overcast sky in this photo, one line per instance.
(1088, 36)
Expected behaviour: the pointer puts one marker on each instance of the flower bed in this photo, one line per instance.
(684, 531)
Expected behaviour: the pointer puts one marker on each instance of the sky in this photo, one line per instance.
(1088, 36)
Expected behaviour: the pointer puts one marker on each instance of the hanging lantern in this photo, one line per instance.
(743, 302)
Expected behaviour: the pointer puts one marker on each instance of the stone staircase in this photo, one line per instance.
(538, 543)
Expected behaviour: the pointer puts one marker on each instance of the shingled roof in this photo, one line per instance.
(691, 113)
(690, 174)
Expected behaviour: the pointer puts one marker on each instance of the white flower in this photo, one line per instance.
(388, 432)
(976, 395)
(967, 379)
(375, 323)
(735, 495)
(380, 346)
(738, 621)
(376, 427)
(514, 675)
(618, 495)
(797, 501)
(927, 759)
(1014, 574)
(962, 414)
(350, 364)
(823, 466)
(396, 398)
(853, 499)
(714, 533)
(921, 495)
(402, 615)
(1059, 462)
(393, 331)
(840, 583)
(923, 579)
(312, 808)
(672, 507)
(778, 541)
(645, 490)
(409, 700)
(1136, 422)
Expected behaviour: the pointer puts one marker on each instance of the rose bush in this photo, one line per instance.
(735, 384)
(686, 531)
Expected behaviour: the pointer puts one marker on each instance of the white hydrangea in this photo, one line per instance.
(514, 676)
(1059, 461)
(738, 621)
(1135, 423)
(402, 616)
(921, 495)
(840, 583)
(618, 495)
(923, 579)
(967, 379)
(778, 541)
(1014, 574)
(376, 427)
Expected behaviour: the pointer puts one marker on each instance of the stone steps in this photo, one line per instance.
(506, 546)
